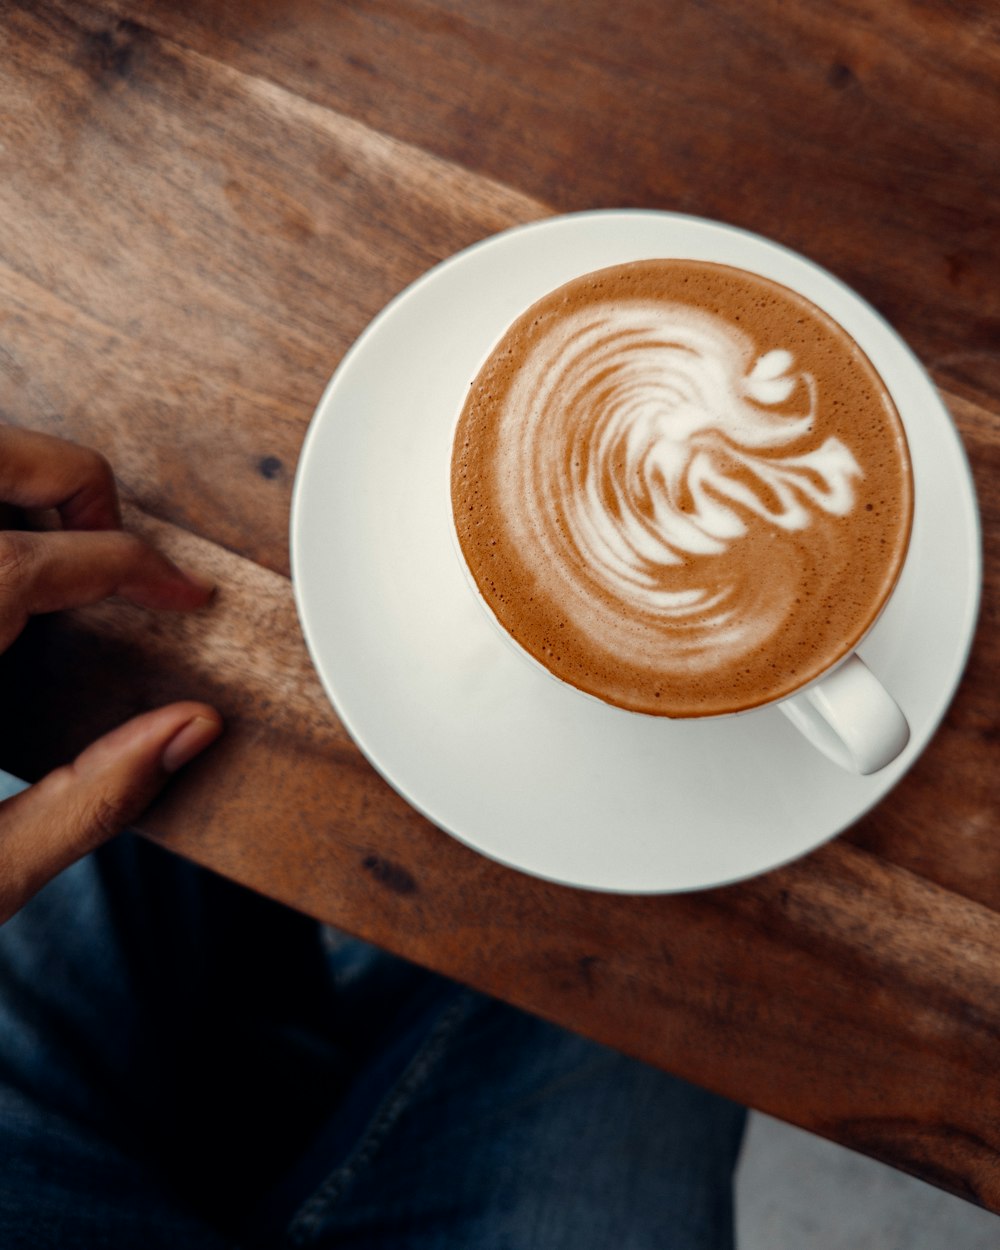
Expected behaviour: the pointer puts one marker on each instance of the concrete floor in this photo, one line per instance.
(795, 1191)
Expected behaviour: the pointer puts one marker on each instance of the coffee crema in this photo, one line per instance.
(681, 487)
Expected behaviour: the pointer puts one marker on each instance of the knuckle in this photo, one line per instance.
(91, 484)
(90, 816)
(104, 817)
(86, 484)
(15, 558)
(98, 468)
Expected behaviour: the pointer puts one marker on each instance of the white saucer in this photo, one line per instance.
(486, 745)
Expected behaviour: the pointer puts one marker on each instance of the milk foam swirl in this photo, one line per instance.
(640, 441)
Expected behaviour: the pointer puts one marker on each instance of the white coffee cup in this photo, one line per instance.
(844, 711)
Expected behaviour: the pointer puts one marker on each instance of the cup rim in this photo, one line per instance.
(816, 272)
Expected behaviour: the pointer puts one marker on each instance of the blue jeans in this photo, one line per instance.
(186, 1064)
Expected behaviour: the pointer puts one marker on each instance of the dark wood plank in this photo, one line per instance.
(185, 254)
(942, 821)
(864, 135)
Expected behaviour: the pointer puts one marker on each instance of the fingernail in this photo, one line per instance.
(204, 584)
(188, 742)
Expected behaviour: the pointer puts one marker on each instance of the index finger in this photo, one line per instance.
(41, 471)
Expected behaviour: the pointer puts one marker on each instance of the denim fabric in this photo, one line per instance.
(186, 1064)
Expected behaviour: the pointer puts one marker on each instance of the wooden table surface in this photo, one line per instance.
(203, 203)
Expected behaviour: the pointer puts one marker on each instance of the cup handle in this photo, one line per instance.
(851, 717)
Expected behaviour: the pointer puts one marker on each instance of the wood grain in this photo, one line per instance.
(202, 205)
(866, 136)
(219, 273)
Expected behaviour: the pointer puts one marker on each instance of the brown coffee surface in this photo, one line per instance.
(681, 487)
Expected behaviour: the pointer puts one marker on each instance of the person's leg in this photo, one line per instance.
(498, 1131)
(170, 1044)
(65, 1187)
(166, 1042)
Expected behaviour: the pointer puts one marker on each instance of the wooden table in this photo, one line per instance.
(203, 203)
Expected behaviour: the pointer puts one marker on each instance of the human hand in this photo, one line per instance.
(77, 807)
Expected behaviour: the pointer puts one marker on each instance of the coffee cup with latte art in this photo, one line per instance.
(683, 489)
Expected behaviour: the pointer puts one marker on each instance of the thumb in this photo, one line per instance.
(79, 806)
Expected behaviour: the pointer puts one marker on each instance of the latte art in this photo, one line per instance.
(636, 437)
(666, 479)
